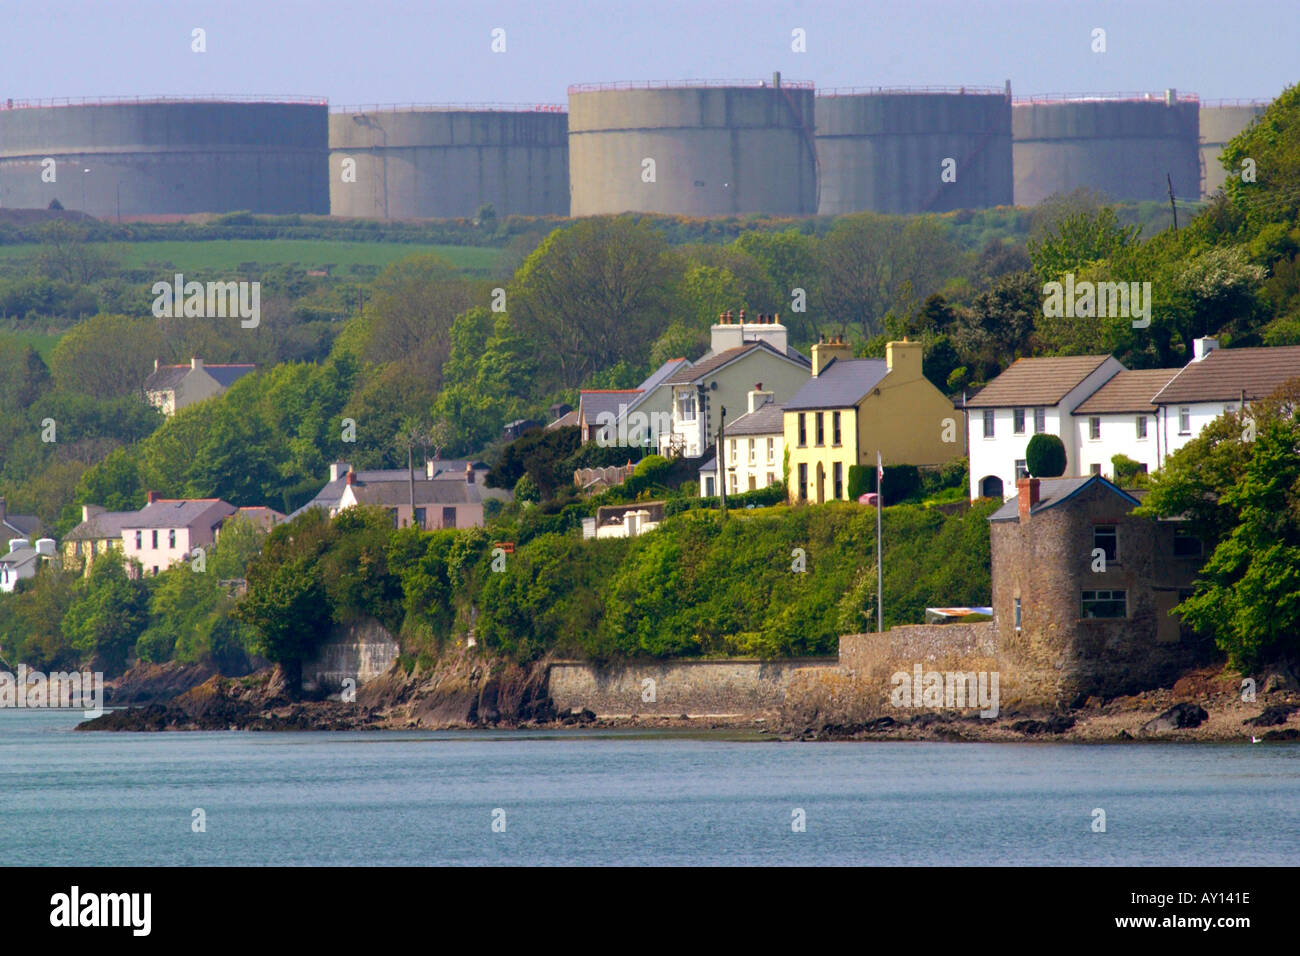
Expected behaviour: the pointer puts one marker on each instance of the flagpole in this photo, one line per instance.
(880, 556)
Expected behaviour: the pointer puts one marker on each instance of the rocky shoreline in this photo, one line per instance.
(467, 692)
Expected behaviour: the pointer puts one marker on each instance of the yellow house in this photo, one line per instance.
(100, 532)
(852, 408)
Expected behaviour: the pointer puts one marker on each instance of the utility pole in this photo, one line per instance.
(1170, 181)
(722, 484)
(880, 555)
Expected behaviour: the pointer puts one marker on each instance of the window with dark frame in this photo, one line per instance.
(1018, 421)
(988, 423)
(1104, 604)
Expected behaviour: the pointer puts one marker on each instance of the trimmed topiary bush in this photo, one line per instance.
(1045, 456)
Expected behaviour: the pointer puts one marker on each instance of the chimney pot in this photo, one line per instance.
(1027, 490)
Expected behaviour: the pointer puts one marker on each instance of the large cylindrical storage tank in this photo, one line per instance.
(149, 157)
(693, 149)
(446, 162)
(1220, 122)
(1122, 145)
(912, 151)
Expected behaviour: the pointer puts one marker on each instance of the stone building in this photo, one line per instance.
(1085, 588)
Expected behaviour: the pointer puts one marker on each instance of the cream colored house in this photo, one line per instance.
(172, 387)
(753, 449)
(853, 408)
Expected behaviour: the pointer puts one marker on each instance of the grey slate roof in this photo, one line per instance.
(1056, 491)
(596, 402)
(445, 469)
(711, 465)
(165, 377)
(435, 492)
(169, 376)
(662, 373)
(767, 419)
(19, 556)
(712, 362)
(841, 383)
(227, 375)
(109, 524)
(26, 525)
(180, 513)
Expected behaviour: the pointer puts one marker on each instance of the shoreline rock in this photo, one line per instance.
(469, 691)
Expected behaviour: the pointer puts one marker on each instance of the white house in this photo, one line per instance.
(172, 387)
(22, 560)
(1033, 396)
(741, 353)
(1217, 381)
(1119, 419)
(753, 448)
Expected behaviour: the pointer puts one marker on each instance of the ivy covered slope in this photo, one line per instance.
(766, 582)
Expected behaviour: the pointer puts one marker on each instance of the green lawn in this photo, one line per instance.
(221, 255)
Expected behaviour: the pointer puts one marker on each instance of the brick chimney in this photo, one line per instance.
(469, 473)
(1027, 492)
(150, 497)
(351, 477)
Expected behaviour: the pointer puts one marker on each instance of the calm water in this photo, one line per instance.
(626, 798)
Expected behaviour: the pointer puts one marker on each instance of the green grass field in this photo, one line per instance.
(224, 255)
(42, 343)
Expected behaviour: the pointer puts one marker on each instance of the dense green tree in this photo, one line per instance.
(591, 294)
(107, 615)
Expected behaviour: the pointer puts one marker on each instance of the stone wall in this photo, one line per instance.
(695, 688)
(361, 650)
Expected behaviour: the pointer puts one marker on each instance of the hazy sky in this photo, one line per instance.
(399, 51)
